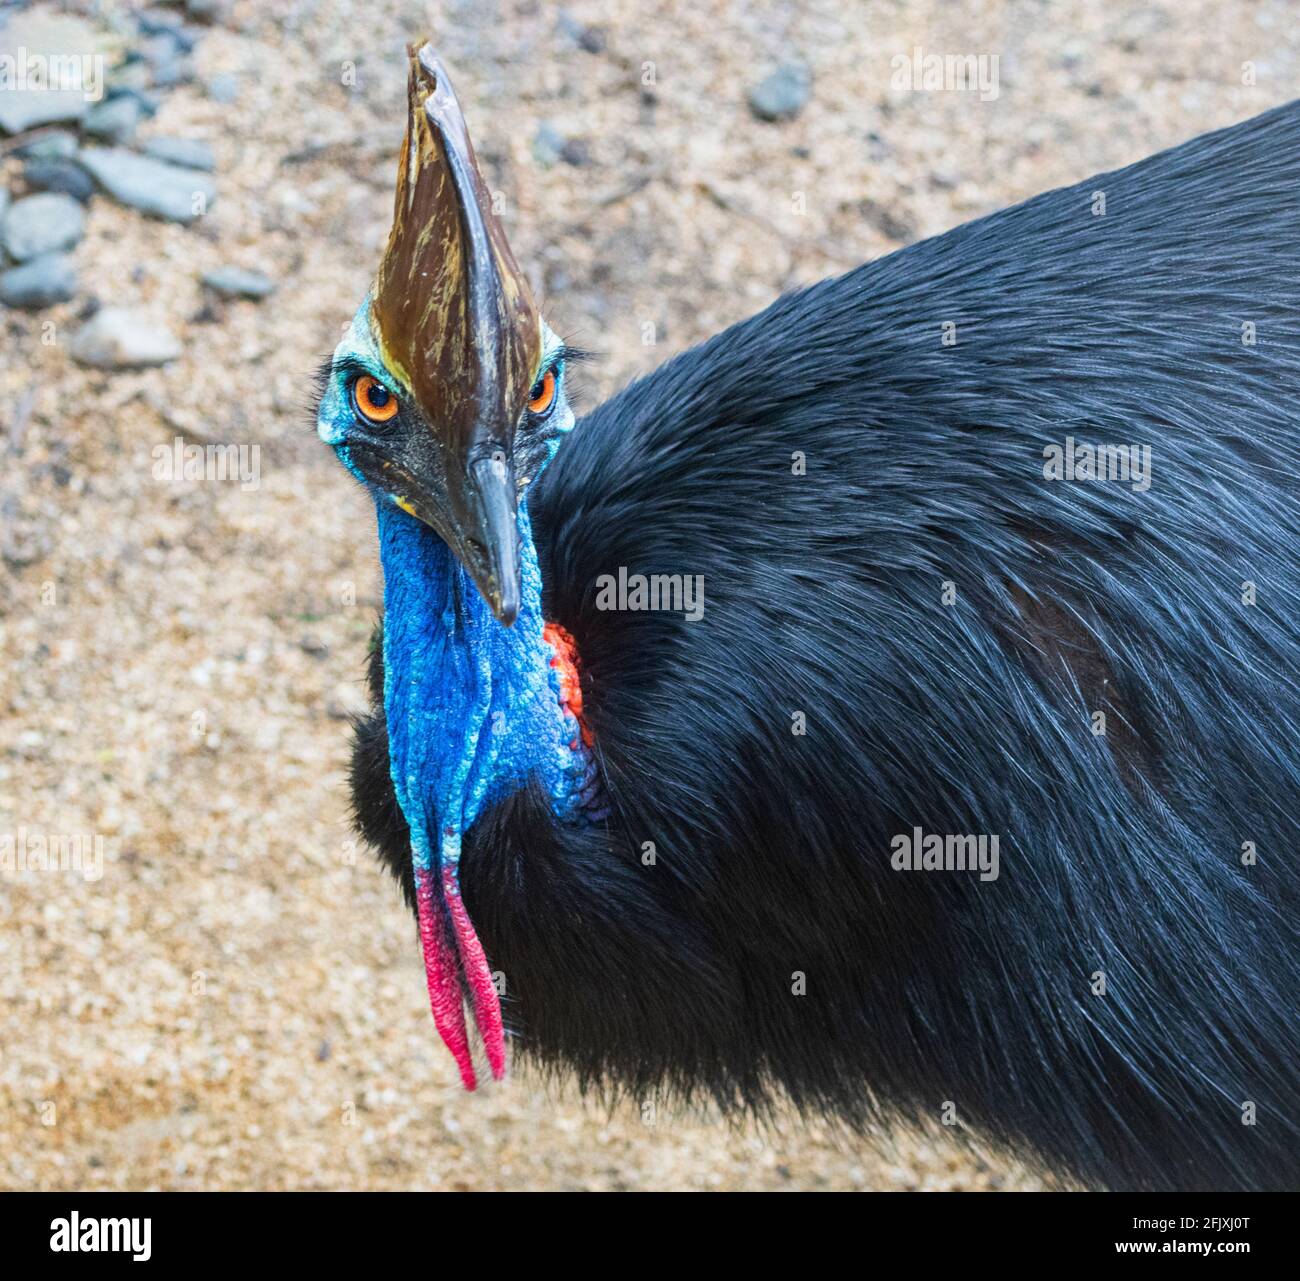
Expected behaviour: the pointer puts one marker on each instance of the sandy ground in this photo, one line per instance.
(238, 1001)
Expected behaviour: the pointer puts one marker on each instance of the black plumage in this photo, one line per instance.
(1121, 854)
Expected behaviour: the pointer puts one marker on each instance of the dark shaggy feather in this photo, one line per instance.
(1119, 853)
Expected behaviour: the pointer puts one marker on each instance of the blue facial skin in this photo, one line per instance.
(473, 707)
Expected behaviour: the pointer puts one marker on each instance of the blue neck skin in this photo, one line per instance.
(473, 707)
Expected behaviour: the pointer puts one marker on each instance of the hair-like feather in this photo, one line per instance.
(1120, 853)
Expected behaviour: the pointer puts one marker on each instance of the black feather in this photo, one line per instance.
(1120, 853)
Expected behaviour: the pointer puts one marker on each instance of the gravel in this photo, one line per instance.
(188, 153)
(163, 190)
(56, 145)
(42, 282)
(122, 338)
(234, 282)
(42, 224)
(114, 121)
(59, 175)
(783, 94)
(224, 89)
(22, 109)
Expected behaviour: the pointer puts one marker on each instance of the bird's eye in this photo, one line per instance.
(375, 403)
(542, 396)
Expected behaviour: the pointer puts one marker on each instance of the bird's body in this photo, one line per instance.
(909, 622)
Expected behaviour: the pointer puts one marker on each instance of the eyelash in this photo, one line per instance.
(562, 355)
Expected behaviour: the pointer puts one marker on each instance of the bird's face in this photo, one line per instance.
(446, 395)
(466, 489)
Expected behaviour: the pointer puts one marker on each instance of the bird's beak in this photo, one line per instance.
(471, 505)
(484, 531)
(493, 556)
(455, 322)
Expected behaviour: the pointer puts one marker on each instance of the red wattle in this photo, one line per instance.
(483, 992)
(442, 972)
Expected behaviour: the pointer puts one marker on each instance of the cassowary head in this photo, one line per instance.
(446, 395)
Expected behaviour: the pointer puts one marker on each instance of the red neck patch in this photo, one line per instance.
(565, 662)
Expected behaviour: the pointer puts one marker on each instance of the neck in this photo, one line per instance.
(475, 711)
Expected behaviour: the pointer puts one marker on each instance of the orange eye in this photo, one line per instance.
(542, 396)
(374, 401)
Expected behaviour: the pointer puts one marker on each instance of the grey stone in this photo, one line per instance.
(591, 39)
(224, 88)
(576, 152)
(59, 175)
(133, 75)
(235, 282)
(42, 224)
(59, 145)
(189, 153)
(548, 145)
(158, 22)
(165, 54)
(782, 95)
(160, 48)
(22, 109)
(163, 22)
(148, 102)
(4, 205)
(121, 338)
(177, 71)
(166, 191)
(115, 120)
(39, 283)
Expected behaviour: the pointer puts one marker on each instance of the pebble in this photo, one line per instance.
(575, 152)
(39, 283)
(163, 22)
(148, 102)
(4, 205)
(165, 55)
(115, 120)
(166, 191)
(589, 39)
(133, 76)
(59, 175)
(42, 224)
(122, 338)
(168, 75)
(189, 153)
(22, 109)
(548, 145)
(158, 22)
(235, 282)
(782, 95)
(58, 145)
(224, 88)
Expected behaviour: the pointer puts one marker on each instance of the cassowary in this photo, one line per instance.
(964, 785)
